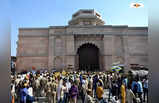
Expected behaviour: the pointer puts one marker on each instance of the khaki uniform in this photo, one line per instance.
(53, 89)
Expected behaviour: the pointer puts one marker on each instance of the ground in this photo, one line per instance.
(79, 101)
(106, 94)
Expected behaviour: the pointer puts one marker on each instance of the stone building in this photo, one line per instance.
(85, 43)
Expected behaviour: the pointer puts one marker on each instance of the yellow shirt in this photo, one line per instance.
(123, 92)
(100, 92)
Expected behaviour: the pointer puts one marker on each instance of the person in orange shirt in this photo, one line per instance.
(100, 91)
(123, 93)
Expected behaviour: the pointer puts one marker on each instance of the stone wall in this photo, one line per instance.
(70, 51)
(108, 51)
(32, 48)
(57, 46)
(138, 50)
(24, 63)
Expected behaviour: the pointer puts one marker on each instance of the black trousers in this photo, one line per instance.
(140, 96)
(145, 93)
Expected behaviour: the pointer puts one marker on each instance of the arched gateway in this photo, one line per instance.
(85, 43)
(88, 55)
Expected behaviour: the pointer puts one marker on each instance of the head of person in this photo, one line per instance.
(76, 82)
(49, 79)
(25, 85)
(84, 77)
(129, 86)
(89, 92)
(138, 78)
(64, 81)
(123, 83)
(146, 77)
(100, 83)
(69, 80)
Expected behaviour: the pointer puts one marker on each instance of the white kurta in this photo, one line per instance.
(30, 91)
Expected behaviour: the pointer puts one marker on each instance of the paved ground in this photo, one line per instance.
(42, 99)
(106, 94)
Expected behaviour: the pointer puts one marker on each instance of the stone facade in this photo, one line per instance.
(57, 46)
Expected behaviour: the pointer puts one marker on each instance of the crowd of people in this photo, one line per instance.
(75, 86)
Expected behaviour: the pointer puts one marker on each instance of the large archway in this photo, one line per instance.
(88, 55)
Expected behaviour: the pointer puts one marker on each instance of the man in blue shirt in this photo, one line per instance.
(23, 93)
(139, 89)
(134, 87)
(145, 88)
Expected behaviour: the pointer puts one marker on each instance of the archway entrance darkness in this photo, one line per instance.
(88, 57)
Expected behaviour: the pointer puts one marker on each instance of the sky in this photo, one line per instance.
(44, 13)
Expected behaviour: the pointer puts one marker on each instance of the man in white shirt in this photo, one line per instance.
(68, 86)
(59, 91)
(30, 91)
